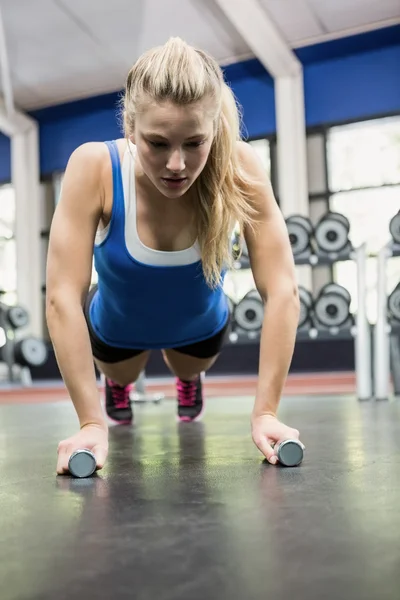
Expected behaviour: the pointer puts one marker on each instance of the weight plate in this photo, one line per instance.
(17, 317)
(298, 235)
(306, 302)
(30, 352)
(394, 303)
(394, 228)
(338, 217)
(305, 222)
(331, 310)
(305, 296)
(253, 294)
(331, 235)
(335, 288)
(249, 314)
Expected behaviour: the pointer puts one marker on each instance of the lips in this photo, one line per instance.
(174, 182)
(174, 178)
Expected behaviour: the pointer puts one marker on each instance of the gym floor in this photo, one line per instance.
(190, 510)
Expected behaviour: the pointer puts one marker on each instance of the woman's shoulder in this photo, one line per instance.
(250, 163)
(245, 153)
(96, 152)
(94, 157)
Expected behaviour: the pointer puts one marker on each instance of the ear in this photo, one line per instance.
(132, 138)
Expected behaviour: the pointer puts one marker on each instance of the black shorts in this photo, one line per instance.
(111, 354)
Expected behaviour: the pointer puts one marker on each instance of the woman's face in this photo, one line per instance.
(173, 143)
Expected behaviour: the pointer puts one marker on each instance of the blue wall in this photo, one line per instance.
(350, 79)
(353, 88)
(5, 158)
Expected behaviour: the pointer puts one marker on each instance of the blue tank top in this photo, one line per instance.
(147, 298)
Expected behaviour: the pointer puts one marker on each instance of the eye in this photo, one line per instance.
(195, 144)
(158, 144)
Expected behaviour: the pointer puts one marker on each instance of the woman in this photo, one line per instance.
(157, 209)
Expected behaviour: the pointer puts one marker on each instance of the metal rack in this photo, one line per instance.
(359, 330)
(386, 334)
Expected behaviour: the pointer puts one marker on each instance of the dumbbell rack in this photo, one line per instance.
(385, 334)
(16, 373)
(359, 331)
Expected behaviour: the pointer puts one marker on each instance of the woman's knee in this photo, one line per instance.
(125, 372)
(187, 367)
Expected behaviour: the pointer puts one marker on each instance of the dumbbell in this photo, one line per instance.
(394, 228)
(300, 230)
(394, 304)
(332, 306)
(249, 312)
(306, 305)
(14, 316)
(27, 352)
(332, 232)
(30, 352)
(82, 463)
(289, 452)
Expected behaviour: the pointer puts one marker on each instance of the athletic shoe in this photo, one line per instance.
(190, 399)
(118, 404)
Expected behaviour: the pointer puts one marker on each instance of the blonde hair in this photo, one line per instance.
(183, 74)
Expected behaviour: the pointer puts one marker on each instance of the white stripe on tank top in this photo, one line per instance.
(135, 247)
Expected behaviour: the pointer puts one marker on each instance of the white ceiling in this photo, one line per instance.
(61, 50)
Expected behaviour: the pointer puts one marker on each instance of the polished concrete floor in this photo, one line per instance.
(185, 512)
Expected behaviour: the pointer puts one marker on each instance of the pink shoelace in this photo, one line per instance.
(186, 392)
(120, 394)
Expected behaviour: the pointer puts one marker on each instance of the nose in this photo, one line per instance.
(176, 161)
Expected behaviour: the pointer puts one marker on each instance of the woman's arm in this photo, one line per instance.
(69, 268)
(274, 274)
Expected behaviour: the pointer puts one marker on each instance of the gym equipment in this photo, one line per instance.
(394, 304)
(394, 228)
(290, 453)
(140, 394)
(30, 352)
(300, 231)
(82, 463)
(17, 316)
(27, 352)
(239, 247)
(19, 353)
(332, 306)
(306, 305)
(236, 245)
(249, 312)
(335, 288)
(332, 233)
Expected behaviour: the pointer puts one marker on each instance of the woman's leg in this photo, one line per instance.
(187, 367)
(187, 363)
(125, 371)
(120, 366)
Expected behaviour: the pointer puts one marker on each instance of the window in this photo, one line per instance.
(364, 176)
(364, 154)
(8, 255)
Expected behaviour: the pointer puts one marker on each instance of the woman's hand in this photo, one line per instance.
(92, 437)
(267, 432)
